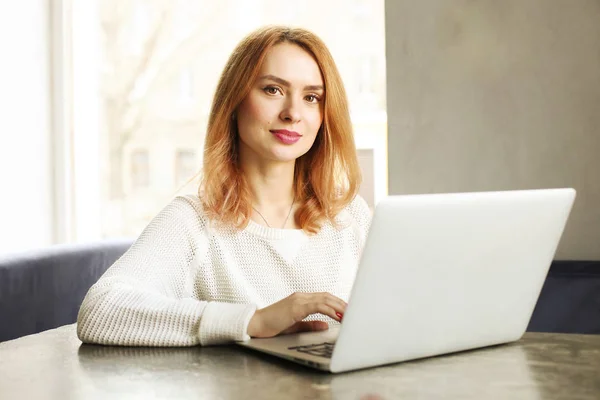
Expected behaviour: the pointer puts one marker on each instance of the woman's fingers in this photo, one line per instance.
(334, 302)
(326, 304)
(321, 308)
(287, 315)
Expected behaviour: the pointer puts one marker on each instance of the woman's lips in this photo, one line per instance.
(285, 136)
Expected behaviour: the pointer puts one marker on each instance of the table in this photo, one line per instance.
(56, 365)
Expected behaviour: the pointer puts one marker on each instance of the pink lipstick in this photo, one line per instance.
(285, 136)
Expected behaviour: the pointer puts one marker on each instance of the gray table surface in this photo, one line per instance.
(56, 365)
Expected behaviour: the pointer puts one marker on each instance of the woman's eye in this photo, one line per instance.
(311, 98)
(271, 90)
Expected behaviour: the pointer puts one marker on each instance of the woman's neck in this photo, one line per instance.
(271, 185)
(272, 189)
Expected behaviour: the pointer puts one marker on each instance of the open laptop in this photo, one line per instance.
(439, 273)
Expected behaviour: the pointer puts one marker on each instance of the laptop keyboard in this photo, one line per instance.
(320, 349)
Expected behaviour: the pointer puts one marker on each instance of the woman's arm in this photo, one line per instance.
(146, 297)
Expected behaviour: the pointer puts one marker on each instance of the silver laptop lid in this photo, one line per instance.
(449, 272)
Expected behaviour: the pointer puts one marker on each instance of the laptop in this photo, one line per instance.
(439, 273)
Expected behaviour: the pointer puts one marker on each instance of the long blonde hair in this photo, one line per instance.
(327, 177)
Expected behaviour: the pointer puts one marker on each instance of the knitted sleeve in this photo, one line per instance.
(146, 297)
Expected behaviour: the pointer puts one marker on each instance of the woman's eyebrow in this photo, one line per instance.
(287, 84)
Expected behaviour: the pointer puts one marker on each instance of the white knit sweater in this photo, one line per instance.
(183, 283)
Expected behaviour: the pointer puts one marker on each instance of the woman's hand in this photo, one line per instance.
(286, 315)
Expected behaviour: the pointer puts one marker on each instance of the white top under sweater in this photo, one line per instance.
(184, 283)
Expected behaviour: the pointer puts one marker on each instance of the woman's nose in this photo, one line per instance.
(290, 112)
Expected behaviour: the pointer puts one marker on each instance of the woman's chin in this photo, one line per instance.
(287, 155)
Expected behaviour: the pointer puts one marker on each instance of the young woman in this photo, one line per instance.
(271, 243)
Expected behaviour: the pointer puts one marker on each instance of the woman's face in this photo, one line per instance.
(281, 115)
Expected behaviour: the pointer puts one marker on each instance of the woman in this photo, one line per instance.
(271, 243)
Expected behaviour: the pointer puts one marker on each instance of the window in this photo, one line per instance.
(185, 166)
(185, 86)
(140, 169)
(157, 63)
(366, 160)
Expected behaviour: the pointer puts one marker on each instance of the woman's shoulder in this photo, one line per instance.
(189, 201)
(186, 208)
(357, 213)
(358, 207)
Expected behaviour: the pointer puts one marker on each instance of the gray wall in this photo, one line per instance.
(497, 95)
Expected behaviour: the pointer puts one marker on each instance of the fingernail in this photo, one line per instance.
(339, 315)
